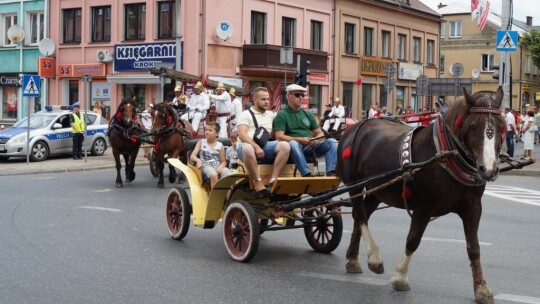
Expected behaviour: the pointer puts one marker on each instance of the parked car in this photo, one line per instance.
(50, 134)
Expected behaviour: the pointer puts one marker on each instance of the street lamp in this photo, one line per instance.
(16, 34)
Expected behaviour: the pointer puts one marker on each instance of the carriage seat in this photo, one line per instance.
(203, 179)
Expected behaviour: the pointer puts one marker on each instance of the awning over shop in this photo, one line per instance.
(136, 79)
(181, 76)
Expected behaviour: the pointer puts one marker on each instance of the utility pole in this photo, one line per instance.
(505, 62)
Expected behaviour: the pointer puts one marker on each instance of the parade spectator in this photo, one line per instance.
(209, 155)
(511, 131)
(276, 152)
(528, 135)
(295, 125)
(537, 124)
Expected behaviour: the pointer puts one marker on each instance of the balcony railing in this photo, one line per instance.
(265, 56)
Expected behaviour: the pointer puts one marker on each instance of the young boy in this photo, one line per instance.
(231, 154)
(209, 155)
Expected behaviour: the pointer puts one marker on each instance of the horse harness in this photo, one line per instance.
(126, 131)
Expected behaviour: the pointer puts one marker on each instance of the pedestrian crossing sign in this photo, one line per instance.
(31, 85)
(507, 41)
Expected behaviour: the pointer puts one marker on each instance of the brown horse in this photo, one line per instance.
(473, 127)
(170, 138)
(124, 132)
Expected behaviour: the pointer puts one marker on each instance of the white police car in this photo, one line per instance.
(50, 134)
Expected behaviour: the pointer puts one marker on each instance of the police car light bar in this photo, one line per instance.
(50, 108)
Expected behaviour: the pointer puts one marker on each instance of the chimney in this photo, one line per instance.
(529, 20)
(441, 5)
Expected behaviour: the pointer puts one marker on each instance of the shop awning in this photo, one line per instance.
(185, 77)
(136, 79)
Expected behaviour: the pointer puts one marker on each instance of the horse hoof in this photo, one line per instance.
(400, 284)
(119, 185)
(376, 268)
(353, 268)
(160, 185)
(484, 295)
(172, 179)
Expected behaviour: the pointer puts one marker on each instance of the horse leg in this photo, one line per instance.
(160, 166)
(471, 220)
(127, 169)
(172, 174)
(419, 222)
(118, 163)
(353, 262)
(132, 159)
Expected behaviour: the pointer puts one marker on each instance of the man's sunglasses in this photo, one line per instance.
(298, 95)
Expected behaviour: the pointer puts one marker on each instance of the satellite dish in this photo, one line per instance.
(475, 73)
(224, 30)
(46, 47)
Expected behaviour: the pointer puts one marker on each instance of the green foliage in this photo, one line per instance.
(531, 40)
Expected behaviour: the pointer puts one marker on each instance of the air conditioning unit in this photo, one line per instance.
(104, 56)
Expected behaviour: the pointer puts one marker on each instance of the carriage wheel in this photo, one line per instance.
(324, 232)
(178, 213)
(240, 231)
(153, 162)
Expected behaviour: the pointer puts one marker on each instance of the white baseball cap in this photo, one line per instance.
(295, 88)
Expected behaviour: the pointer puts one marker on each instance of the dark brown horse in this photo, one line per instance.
(124, 132)
(170, 137)
(472, 126)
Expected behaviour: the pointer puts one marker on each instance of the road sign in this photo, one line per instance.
(422, 85)
(507, 41)
(31, 85)
(389, 84)
(390, 69)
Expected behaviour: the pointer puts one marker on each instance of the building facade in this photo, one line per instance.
(372, 34)
(463, 43)
(19, 57)
(118, 43)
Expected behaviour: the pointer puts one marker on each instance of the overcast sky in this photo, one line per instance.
(522, 8)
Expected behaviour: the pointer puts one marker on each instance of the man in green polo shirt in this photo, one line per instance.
(295, 125)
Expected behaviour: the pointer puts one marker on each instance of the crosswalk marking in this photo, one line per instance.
(516, 298)
(516, 194)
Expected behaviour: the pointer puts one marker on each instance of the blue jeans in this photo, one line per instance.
(327, 147)
(510, 142)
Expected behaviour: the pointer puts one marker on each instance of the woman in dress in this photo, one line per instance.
(528, 134)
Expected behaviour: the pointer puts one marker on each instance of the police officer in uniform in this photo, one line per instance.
(76, 120)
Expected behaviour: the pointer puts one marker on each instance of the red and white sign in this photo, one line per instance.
(305, 100)
(318, 77)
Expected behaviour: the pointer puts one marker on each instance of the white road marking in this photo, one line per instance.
(103, 190)
(516, 298)
(345, 278)
(427, 238)
(100, 208)
(516, 194)
(42, 178)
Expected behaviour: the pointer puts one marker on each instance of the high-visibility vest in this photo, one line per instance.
(78, 123)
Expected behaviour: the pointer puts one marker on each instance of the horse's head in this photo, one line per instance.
(161, 118)
(127, 111)
(479, 124)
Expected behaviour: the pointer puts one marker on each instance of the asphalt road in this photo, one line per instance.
(74, 238)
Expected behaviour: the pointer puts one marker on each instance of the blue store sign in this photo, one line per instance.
(144, 56)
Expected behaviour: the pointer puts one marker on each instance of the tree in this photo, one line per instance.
(531, 40)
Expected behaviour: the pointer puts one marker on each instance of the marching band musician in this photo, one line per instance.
(223, 104)
(197, 105)
(236, 109)
(337, 113)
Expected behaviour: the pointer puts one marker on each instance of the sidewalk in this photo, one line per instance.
(67, 164)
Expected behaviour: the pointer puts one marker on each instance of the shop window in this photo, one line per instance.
(288, 32)
(258, 28)
(347, 96)
(316, 35)
(73, 91)
(349, 38)
(36, 27)
(135, 21)
(72, 25)
(9, 103)
(101, 24)
(367, 95)
(383, 96)
(315, 98)
(166, 19)
(137, 93)
(9, 21)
